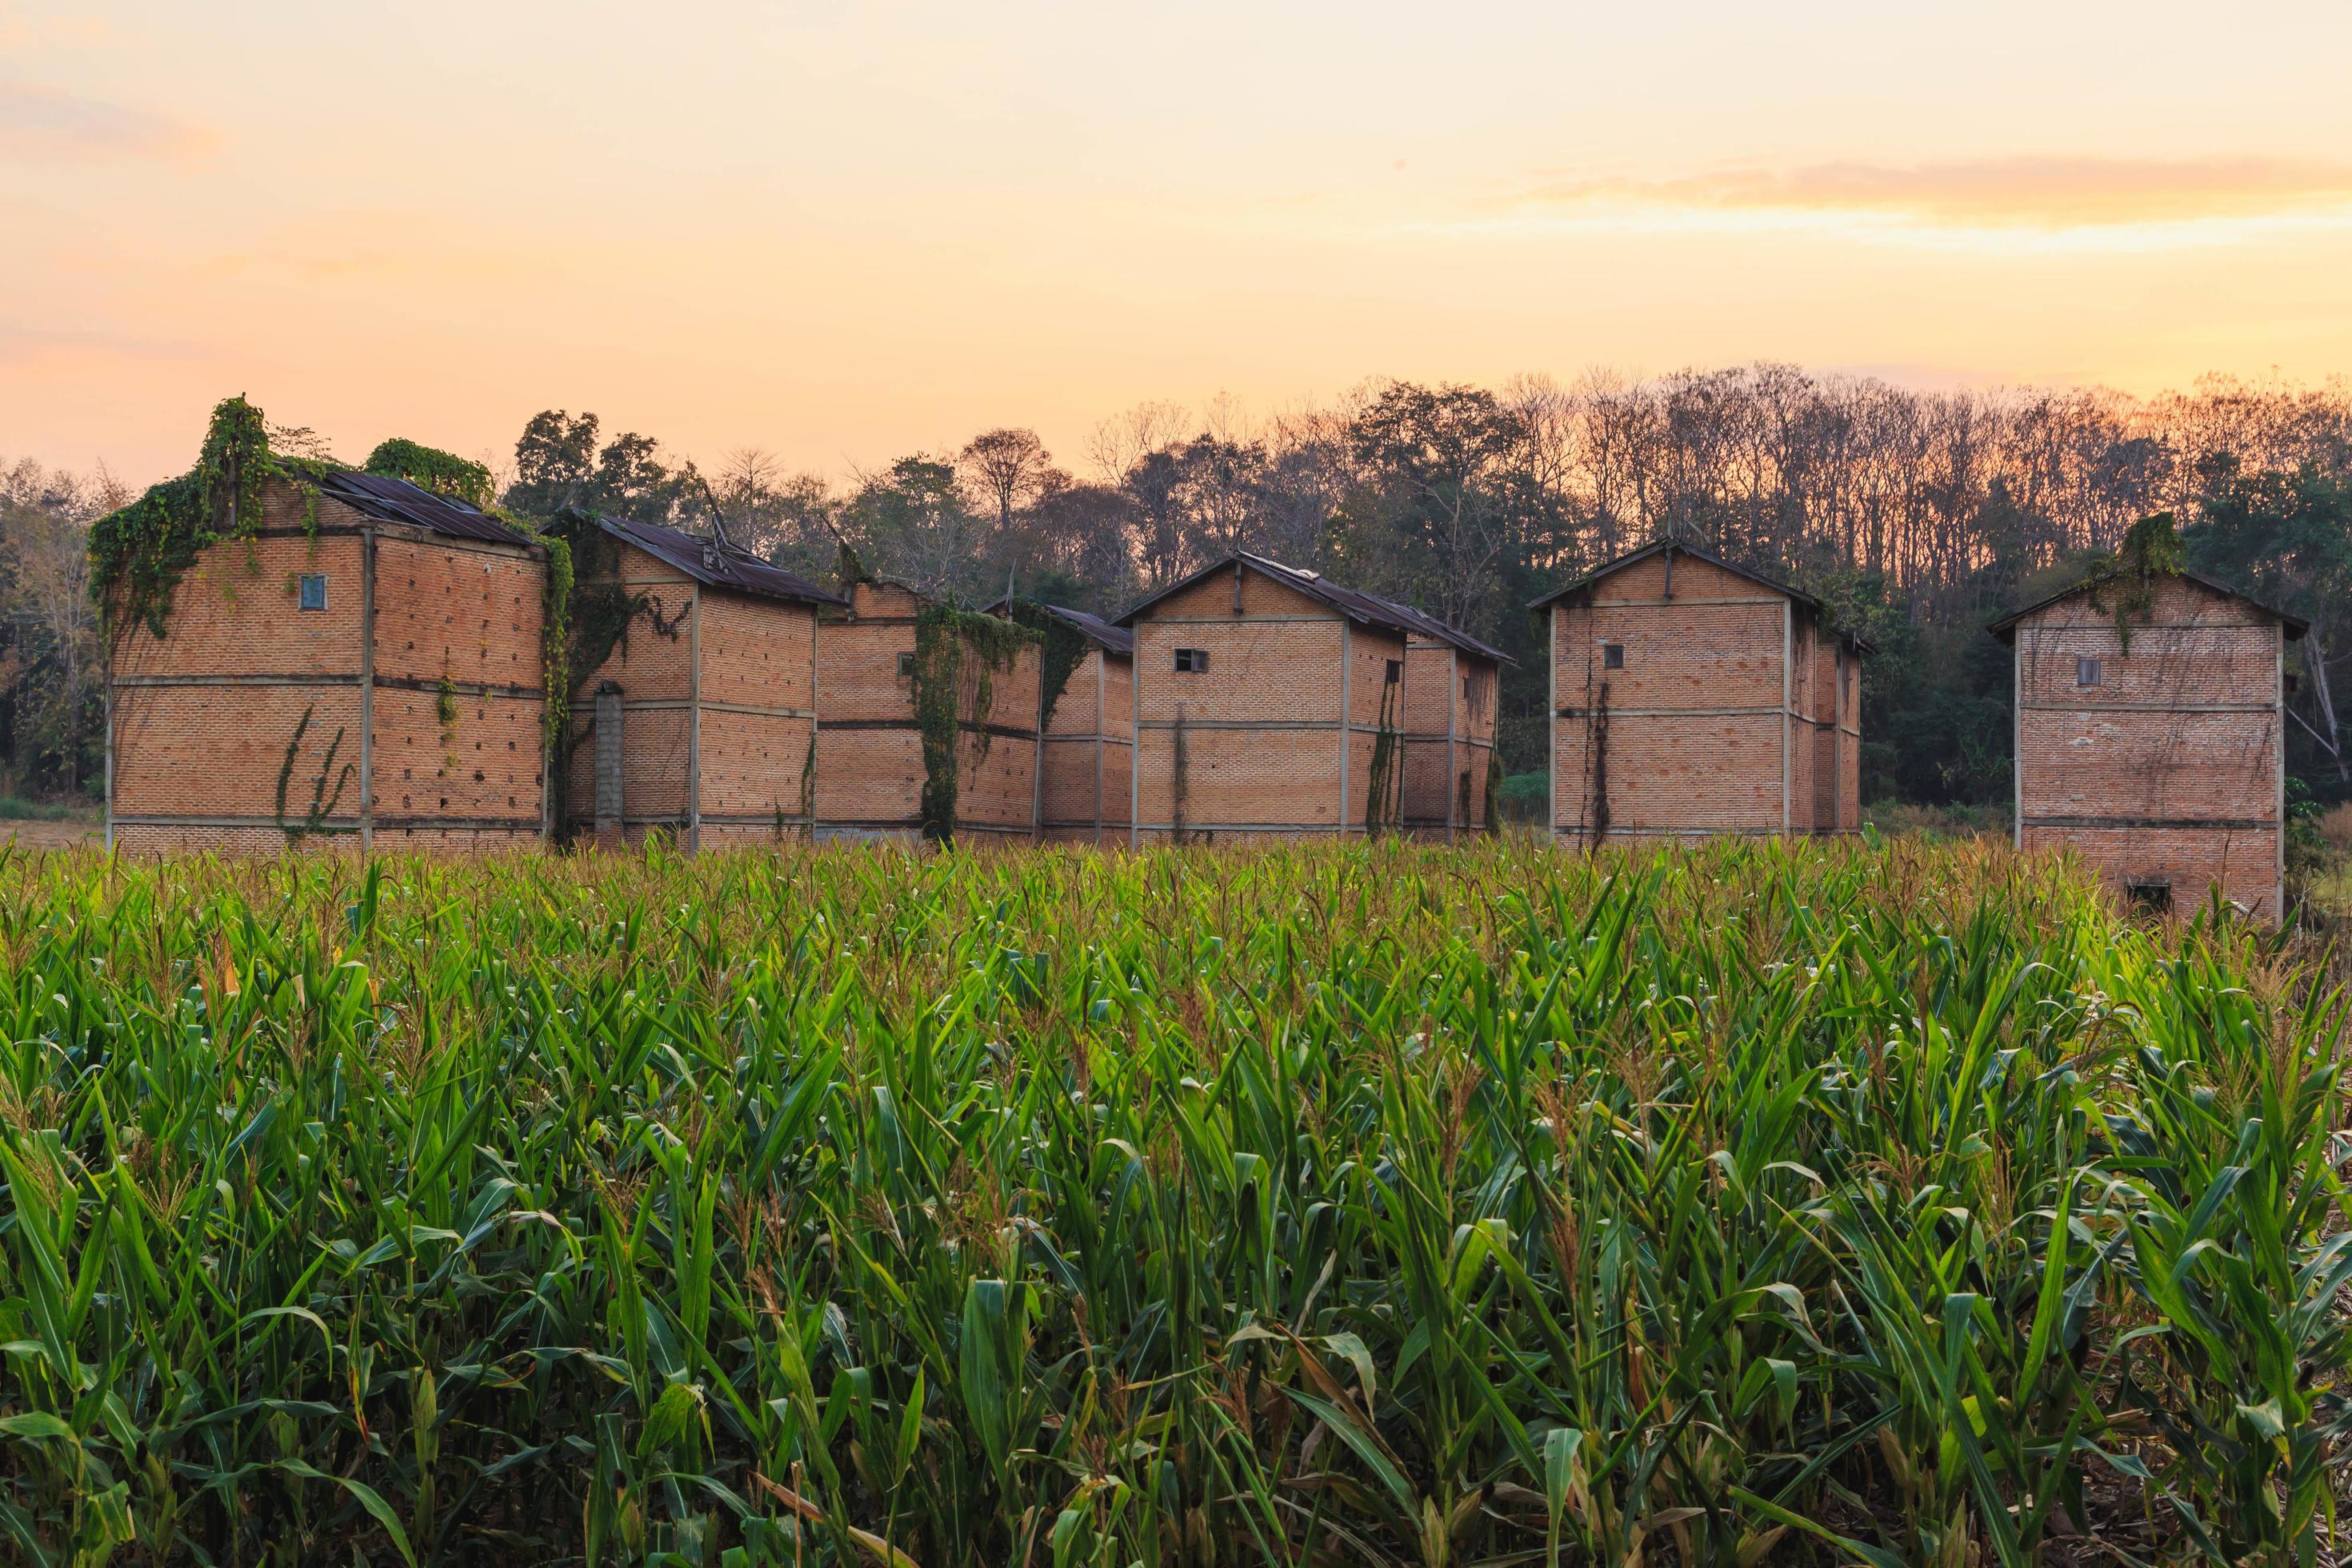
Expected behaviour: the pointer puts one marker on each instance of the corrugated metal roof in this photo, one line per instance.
(1658, 546)
(388, 500)
(717, 566)
(2295, 625)
(1094, 628)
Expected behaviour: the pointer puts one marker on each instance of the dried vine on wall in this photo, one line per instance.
(322, 804)
(1597, 759)
(944, 634)
(1383, 796)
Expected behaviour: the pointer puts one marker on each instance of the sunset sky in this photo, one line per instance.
(843, 232)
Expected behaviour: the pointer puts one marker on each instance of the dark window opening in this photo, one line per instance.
(905, 666)
(314, 590)
(2151, 897)
(1192, 660)
(1612, 655)
(1466, 688)
(1396, 671)
(2086, 672)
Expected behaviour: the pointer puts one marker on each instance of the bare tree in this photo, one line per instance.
(1008, 469)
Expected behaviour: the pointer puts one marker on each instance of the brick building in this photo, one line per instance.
(699, 719)
(869, 744)
(1085, 754)
(1269, 701)
(371, 675)
(1692, 697)
(1450, 685)
(2161, 758)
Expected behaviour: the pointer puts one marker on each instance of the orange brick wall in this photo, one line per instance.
(2170, 768)
(1700, 724)
(206, 718)
(1261, 724)
(747, 664)
(1084, 760)
(1435, 759)
(869, 776)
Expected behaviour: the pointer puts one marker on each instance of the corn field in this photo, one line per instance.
(1893, 1204)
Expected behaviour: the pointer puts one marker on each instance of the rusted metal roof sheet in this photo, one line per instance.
(1430, 627)
(1094, 628)
(715, 565)
(388, 500)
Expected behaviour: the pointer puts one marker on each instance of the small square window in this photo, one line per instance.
(1396, 671)
(314, 590)
(2086, 672)
(1612, 655)
(905, 666)
(1192, 660)
(2149, 895)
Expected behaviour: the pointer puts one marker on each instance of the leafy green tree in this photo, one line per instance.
(910, 521)
(559, 463)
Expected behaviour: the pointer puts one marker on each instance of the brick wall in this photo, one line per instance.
(870, 775)
(471, 615)
(1084, 773)
(250, 715)
(1261, 726)
(2168, 769)
(1449, 740)
(758, 693)
(1696, 730)
(745, 665)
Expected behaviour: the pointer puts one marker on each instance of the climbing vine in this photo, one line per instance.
(1383, 801)
(1065, 649)
(943, 634)
(1487, 823)
(588, 613)
(2151, 551)
(139, 553)
(430, 468)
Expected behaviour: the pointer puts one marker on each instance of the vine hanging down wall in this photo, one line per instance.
(139, 553)
(945, 635)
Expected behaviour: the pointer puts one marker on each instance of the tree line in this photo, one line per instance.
(1917, 515)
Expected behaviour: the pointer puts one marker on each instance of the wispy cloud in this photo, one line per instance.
(38, 121)
(2047, 194)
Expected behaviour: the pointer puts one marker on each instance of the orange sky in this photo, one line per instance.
(846, 231)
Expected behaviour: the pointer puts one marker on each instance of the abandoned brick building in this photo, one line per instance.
(364, 668)
(698, 717)
(1450, 685)
(2156, 753)
(873, 771)
(1692, 697)
(1269, 702)
(1085, 750)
